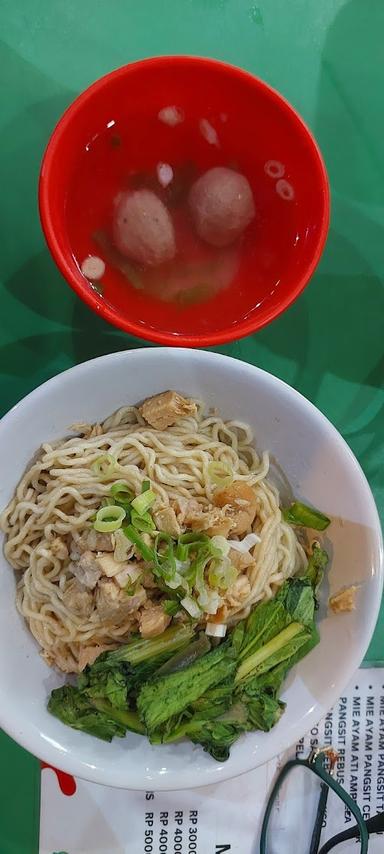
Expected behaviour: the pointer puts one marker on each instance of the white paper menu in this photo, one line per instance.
(91, 819)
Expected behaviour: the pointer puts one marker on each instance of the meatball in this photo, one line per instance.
(221, 205)
(143, 229)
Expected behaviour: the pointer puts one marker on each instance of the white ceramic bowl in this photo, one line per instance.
(320, 468)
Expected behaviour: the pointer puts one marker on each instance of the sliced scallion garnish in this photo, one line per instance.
(109, 519)
(143, 502)
(121, 492)
(147, 553)
(142, 523)
(181, 552)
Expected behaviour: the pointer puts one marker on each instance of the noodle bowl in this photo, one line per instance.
(318, 467)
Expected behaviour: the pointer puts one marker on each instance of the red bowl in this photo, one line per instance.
(112, 131)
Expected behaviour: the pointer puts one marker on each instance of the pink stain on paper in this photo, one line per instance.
(66, 782)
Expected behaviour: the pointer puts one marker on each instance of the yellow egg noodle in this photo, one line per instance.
(58, 496)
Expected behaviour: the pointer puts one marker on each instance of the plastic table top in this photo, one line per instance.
(326, 58)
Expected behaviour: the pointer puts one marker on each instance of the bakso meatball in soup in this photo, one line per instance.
(221, 205)
(143, 229)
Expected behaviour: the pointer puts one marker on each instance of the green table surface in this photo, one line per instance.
(326, 58)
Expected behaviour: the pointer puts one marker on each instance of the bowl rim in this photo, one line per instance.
(234, 331)
(35, 742)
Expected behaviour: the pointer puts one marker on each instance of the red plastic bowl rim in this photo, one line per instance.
(237, 330)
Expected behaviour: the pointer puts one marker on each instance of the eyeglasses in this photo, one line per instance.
(306, 788)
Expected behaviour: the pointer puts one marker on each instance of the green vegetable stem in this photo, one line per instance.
(308, 517)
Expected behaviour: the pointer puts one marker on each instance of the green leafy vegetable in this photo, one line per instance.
(280, 648)
(264, 711)
(316, 566)
(72, 707)
(125, 717)
(217, 726)
(266, 645)
(140, 650)
(293, 603)
(170, 695)
(100, 703)
(108, 685)
(308, 517)
(176, 685)
(217, 735)
(271, 680)
(262, 625)
(297, 598)
(185, 656)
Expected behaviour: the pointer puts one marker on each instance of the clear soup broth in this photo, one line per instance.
(202, 284)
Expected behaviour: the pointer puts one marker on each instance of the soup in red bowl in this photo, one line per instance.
(184, 200)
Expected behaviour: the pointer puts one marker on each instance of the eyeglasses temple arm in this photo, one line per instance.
(322, 805)
(376, 823)
(373, 825)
